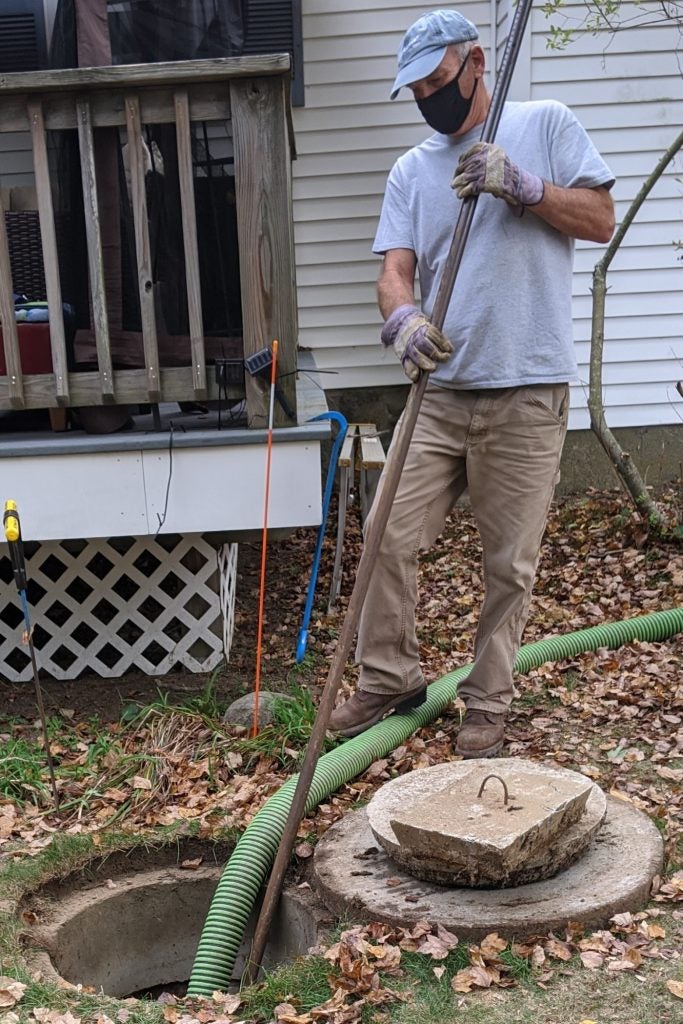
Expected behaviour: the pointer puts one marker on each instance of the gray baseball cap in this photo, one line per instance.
(424, 45)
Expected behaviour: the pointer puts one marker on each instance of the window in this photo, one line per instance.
(22, 36)
(274, 26)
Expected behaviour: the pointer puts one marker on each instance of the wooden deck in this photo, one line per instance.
(252, 93)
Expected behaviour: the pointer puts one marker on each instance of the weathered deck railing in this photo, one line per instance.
(253, 94)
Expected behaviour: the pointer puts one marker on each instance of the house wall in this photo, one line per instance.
(627, 92)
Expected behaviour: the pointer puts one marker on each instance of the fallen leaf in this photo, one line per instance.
(438, 972)
(434, 947)
(620, 796)
(393, 882)
(191, 864)
(537, 956)
(622, 921)
(592, 960)
(226, 1001)
(675, 988)
(286, 1013)
(492, 945)
(140, 782)
(11, 991)
(462, 981)
(557, 949)
(304, 850)
(8, 818)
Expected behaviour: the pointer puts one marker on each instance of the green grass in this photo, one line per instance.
(24, 776)
(287, 737)
(205, 705)
(23, 770)
(520, 968)
(303, 982)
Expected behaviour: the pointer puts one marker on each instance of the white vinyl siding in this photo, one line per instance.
(627, 92)
(16, 160)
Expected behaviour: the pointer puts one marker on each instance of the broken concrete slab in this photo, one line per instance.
(433, 823)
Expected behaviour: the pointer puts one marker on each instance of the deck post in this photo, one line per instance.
(266, 235)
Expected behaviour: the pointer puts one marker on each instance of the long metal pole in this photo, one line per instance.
(12, 529)
(390, 481)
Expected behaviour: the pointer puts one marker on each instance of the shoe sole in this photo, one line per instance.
(470, 755)
(403, 707)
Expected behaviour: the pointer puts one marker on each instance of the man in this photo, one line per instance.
(494, 414)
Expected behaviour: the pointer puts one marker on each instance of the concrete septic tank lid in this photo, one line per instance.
(357, 879)
(529, 822)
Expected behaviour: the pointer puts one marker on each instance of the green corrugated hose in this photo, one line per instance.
(248, 867)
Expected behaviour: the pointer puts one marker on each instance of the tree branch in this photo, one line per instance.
(621, 460)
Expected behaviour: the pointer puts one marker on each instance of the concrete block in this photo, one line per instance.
(488, 834)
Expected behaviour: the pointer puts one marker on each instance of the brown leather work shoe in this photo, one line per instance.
(364, 709)
(481, 734)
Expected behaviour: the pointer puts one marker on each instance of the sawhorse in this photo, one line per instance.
(362, 450)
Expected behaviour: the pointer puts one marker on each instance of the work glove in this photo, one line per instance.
(487, 168)
(417, 342)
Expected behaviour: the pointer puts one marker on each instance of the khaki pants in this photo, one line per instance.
(504, 445)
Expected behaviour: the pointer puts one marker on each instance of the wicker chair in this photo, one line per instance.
(26, 254)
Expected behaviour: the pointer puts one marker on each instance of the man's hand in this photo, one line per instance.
(487, 168)
(417, 342)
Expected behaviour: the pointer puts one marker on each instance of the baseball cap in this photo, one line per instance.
(424, 45)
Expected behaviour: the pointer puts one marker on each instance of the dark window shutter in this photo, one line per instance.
(22, 36)
(274, 26)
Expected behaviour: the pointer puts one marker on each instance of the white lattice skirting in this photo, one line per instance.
(106, 606)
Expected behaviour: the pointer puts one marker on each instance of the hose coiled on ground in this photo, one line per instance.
(248, 867)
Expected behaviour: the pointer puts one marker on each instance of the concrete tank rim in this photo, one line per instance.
(351, 880)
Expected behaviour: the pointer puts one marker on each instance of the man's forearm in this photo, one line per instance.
(393, 291)
(585, 213)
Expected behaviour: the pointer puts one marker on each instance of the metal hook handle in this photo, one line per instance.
(498, 778)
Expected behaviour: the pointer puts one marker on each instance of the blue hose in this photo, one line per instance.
(337, 418)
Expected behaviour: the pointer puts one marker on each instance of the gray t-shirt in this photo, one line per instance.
(510, 317)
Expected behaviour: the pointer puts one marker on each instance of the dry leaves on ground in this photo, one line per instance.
(11, 991)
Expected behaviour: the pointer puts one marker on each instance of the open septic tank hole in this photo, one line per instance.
(129, 924)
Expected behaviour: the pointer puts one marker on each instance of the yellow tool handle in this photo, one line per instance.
(12, 528)
(11, 522)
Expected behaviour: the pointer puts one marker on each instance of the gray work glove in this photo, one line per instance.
(417, 342)
(487, 168)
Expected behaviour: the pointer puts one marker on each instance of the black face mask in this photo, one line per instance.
(446, 109)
